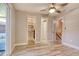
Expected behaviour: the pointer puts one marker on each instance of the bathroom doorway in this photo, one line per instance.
(31, 30)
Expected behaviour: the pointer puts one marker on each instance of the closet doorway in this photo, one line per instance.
(31, 30)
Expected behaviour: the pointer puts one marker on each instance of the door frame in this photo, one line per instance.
(55, 29)
(8, 32)
(28, 29)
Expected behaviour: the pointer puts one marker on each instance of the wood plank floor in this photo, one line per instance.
(45, 50)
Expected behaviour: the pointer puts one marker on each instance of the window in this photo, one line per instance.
(2, 26)
(2, 13)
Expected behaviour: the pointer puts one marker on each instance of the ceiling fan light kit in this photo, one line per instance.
(52, 10)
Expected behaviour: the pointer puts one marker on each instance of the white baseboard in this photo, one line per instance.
(72, 46)
(37, 42)
(19, 44)
(12, 49)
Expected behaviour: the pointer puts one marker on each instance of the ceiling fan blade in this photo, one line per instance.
(64, 4)
(44, 9)
(58, 11)
(44, 21)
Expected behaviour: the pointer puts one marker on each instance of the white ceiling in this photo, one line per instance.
(30, 7)
(34, 7)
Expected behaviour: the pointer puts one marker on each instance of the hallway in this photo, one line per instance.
(45, 50)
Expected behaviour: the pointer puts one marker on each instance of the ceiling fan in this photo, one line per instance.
(52, 8)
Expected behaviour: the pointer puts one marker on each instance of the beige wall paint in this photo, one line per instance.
(71, 28)
(21, 27)
(50, 29)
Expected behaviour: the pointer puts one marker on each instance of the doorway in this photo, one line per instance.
(44, 30)
(58, 33)
(31, 30)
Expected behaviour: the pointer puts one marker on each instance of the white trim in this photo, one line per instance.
(37, 42)
(28, 29)
(19, 44)
(12, 49)
(7, 43)
(72, 46)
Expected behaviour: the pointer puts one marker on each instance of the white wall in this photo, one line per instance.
(12, 27)
(71, 33)
(21, 27)
(38, 29)
(10, 41)
(50, 29)
(21, 33)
